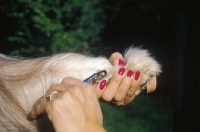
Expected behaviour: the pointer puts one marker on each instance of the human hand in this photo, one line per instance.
(122, 86)
(73, 107)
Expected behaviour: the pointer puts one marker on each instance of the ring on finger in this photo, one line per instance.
(128, 98)
(51, 95)
(118, 102)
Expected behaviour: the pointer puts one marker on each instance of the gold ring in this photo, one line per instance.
(118, 102)
(49, 95)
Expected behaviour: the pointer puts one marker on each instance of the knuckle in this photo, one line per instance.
(90, 90)
(54, 105)
(53, 86)
(118, 97)
(77, 89)
(116, 80)
(128, 95)
(63, 96)
(106, 97)
(134, 87)
(66, 80)
(129, 98)
(126, 83)
(132, 91)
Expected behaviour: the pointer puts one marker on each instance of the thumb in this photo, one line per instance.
(117, 59)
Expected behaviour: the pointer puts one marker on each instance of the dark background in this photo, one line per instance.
(172, 33)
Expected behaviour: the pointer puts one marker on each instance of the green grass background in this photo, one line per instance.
(143, 114)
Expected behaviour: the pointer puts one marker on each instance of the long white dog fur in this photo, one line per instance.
(23, 81)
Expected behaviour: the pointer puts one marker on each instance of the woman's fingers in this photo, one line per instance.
(73, 81)
(99, 88)
(130, 94)
(124, 86)
(113, 85)
(128, 86)
(73, 107)
(135, 83)
(128, 98)
(107, 91)
(38, 109)
(65, 84)
(122, 91)
(72, 86)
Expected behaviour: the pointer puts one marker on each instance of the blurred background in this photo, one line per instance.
(169, 29)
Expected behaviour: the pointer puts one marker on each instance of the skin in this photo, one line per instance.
(122, 88)
(76, 98)
(80, 100)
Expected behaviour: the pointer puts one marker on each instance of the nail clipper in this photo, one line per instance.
(96, 77)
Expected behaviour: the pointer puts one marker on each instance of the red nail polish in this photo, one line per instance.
(121, 71)
(129, 73)
(102, 85)
(137, 75)
(121, 62)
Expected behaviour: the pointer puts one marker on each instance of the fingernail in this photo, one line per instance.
(102, 85)
(129, 73)
(121, 71)
(121, 62)
(137, 75)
